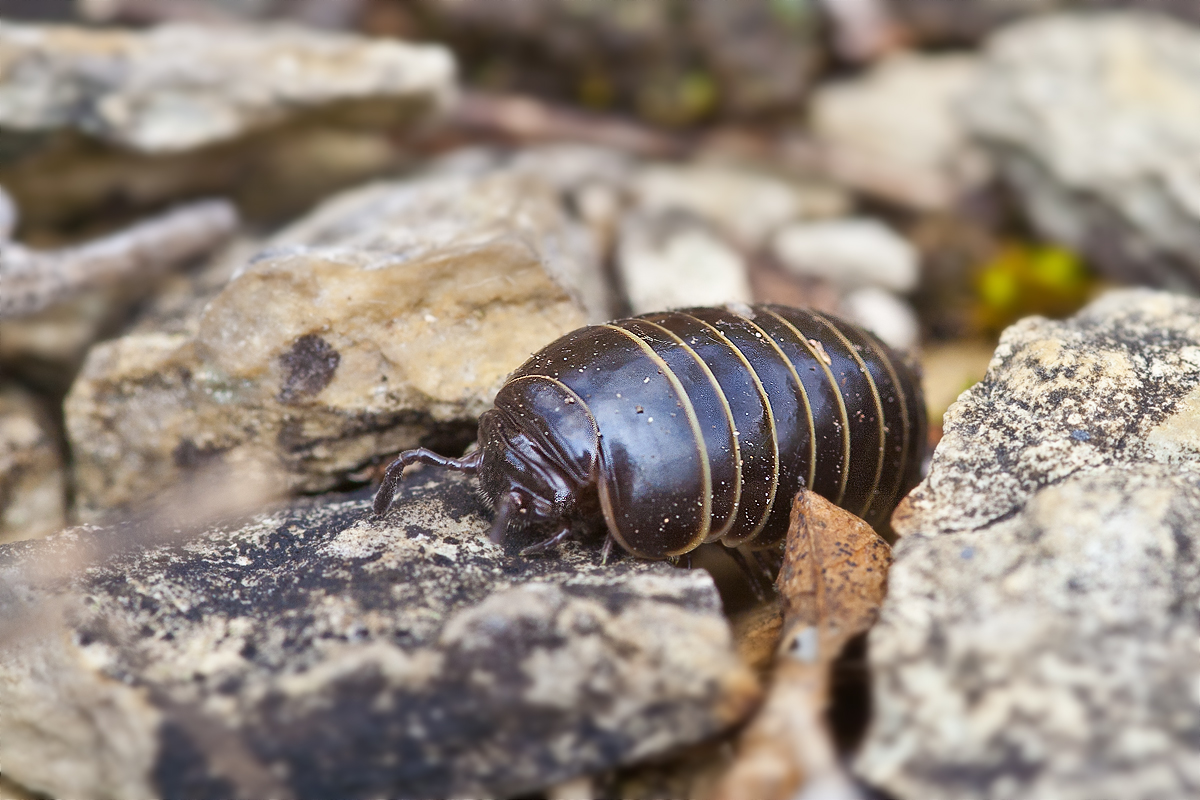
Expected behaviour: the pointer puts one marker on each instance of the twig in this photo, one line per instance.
(32, 280)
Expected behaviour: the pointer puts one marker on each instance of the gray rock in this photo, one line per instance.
(1038, 639)
(312, 653)
(32, 492)
(895, 132)
(1113, 384)
(851, 253)
(337, 14)
(884, 314)
(387, 318)
(1096, 122)
(179, 87)
(274, 118)
(673, 260)
(745, 205)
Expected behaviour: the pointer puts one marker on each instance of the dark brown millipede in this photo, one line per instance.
(695, 426)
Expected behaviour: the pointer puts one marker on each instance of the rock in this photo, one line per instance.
(312, 653)
(569, 166)
(273, 117)
(386, 319)
(1038, 635)
(885, 315)
(32, 494)
(895, 133)
(1094, 121)
(593, 181)
(179, 87)
(1060, 397)
(337, 14)
(1051, 656)
(675, 261)
(852, 253)
(745, 205)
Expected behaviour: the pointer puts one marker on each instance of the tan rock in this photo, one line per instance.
(1038, 637)
(389, 316)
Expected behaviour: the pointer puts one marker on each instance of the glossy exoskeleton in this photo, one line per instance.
(695, 426)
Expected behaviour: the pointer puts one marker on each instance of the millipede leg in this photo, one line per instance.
(604, 553)
(760, 584)
(542, 547)
(391, 478)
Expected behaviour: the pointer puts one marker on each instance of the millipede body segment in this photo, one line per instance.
(695, 426)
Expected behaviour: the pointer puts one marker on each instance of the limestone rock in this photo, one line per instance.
(1038, 636)
(32, 494)
(386, 319)
(1112, 384)
(895, 133)
(178, 87)
(675, 261)
(1051, 654)
(1095, 120)
(312, 653)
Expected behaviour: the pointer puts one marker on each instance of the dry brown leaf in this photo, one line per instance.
(834, 574)
(833, 580)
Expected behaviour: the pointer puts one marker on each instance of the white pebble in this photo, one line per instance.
(885, 315)
(850, 252)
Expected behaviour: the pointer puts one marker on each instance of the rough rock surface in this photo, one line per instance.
(1039, 635)
(895, 132)
(386, 319)
(1095, 120)
(312, 653)
(178, 87)
(32, 494)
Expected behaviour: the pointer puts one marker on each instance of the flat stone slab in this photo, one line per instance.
(313, 653)
(178, 87)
